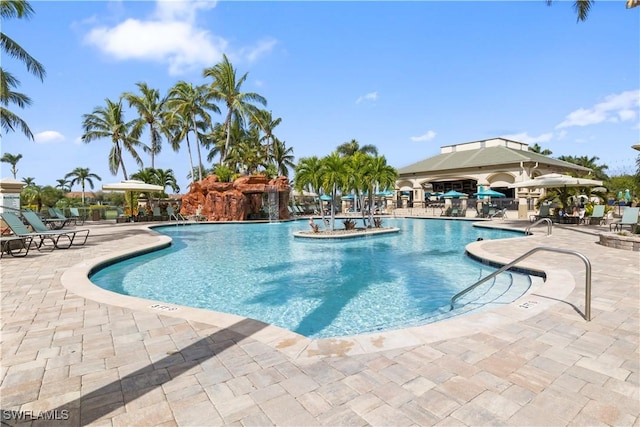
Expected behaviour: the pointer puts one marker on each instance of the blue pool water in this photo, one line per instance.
(315, 288)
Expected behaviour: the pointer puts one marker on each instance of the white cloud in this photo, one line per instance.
(371, 96)
(527, 139)
(48, 136)
(615, 108)
(171, 36)
(426, 137)
(263, 47)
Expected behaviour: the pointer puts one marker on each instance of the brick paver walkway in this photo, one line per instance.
(85, 356)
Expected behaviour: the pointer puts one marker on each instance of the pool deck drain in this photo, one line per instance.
(87, 356)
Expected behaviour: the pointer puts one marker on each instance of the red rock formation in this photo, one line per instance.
(234, 201)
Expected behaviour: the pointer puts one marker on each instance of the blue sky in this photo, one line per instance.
(407, 77)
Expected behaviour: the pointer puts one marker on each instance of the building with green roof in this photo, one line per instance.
(490, 163)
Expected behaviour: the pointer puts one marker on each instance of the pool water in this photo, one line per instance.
(312, 287)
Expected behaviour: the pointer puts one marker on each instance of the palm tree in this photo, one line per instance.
(535, 148)
(10, 121)
(29, 181)
(334, 178)
(108, 122)
(150, 108)
(582, 8)
(226, 88)
(282, 157)
(82, 176)
(308, 176)
(380, 176)
(264, 120)
(166, 178)
(64, 185)
(13, 161)
(357, 180)
(350, 148)
(588, 162)
(192, 104)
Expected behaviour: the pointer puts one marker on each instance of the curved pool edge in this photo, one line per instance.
(559, 283)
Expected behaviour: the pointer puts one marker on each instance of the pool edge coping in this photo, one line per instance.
(559, 283)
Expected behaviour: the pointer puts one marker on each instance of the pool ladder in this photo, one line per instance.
(587, 302)
(527, 230)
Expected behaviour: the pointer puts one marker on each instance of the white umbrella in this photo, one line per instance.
(132, 185)
(555, 180)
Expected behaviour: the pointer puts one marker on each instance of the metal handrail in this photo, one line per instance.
(587, 302)
(541, 220)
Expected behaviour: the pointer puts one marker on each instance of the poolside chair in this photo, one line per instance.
(16, 246)
(21, 230)
(501, 213)
(57, 219)
(175, 215)
(75, 215)
(629, 217)
(597, 216)
(157, 214)
(544, 212)
(40, 228)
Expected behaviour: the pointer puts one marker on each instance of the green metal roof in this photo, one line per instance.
(485, 157)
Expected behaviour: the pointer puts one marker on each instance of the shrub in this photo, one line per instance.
(349, 224)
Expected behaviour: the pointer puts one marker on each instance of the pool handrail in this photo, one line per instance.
(541, 220)
(587, 302)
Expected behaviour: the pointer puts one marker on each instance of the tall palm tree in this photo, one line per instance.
(282, 157)
(265, 121)
(108, 122)
(82, 176)
(308, 176)
(150, 108)
(13, 161)
(226, 87)
(9, 120)
(357, 180)
(334, 178)
(192, 104)
(350, 148)
(380, 176)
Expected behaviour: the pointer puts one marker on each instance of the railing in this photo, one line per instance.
(587, 302)
(541, 220)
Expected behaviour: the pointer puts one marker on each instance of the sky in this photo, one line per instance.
(407, 77)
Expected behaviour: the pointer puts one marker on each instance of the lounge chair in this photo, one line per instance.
(629, 217)
(175, 215)
(75, 215)
(16, 246)
(157, 214)
(56, 221)
(40, 228)
(58, 214)
(597, 216)
(501, 213)
(543, 213)
(21, 230)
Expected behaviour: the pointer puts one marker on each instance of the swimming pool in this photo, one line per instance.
(317, 288)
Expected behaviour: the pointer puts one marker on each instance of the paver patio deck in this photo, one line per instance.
(84, 356)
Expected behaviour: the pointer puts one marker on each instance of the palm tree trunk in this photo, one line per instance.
(226, 144)
(190, 157)
(195, 131)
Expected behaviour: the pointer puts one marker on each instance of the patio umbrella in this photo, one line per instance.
(132, 185)
(325, 197)
(452, 194)
(556, 180)
(489, 193)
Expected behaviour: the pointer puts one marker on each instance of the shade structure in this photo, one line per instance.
(453, 194)
(132, 185)
(556, 180)
(325, 197)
